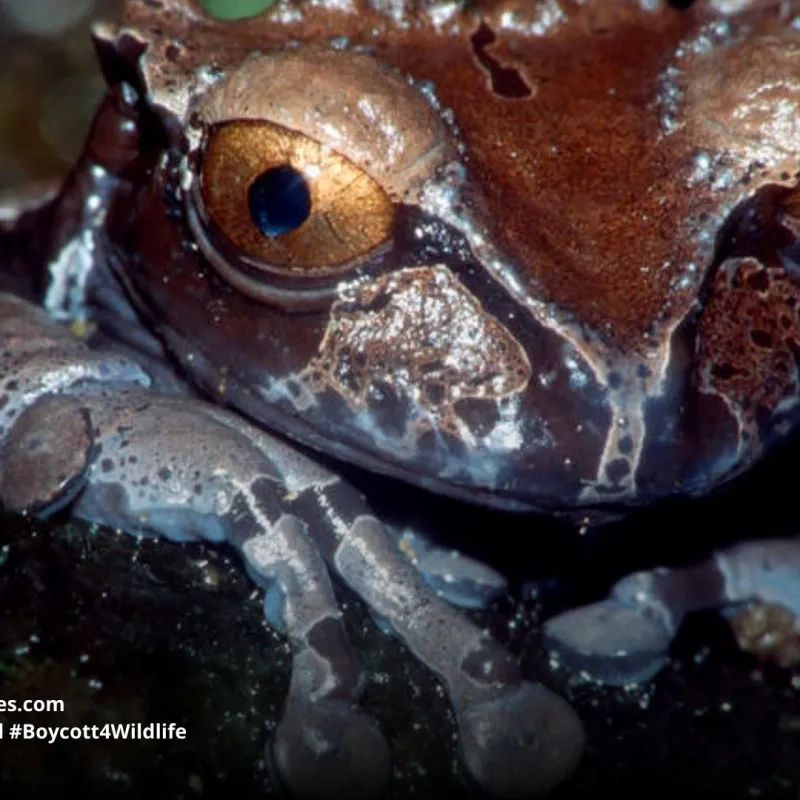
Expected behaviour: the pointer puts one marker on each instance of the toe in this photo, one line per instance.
(614, 643)
(330, 749)
(521, 743)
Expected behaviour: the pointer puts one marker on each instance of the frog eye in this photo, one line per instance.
(286, 206)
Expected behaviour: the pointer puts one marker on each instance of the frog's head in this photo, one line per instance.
(540, 254)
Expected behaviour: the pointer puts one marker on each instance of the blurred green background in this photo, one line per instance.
(49, 82)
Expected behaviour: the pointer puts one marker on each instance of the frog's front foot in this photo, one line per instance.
(516, 739)
(80, 428)
(518, 742)
(626, 637)
(328, 749)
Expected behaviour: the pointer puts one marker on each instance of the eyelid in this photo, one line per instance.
(351, 102)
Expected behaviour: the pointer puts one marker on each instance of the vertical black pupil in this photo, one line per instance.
(279, 200)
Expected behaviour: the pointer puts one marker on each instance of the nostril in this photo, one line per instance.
(506, 81)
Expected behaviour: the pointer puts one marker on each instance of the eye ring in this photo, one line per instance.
(281, 216)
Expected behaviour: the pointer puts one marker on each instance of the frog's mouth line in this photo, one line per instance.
(360, 460)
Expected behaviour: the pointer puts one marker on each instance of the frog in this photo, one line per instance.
(540, 257)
